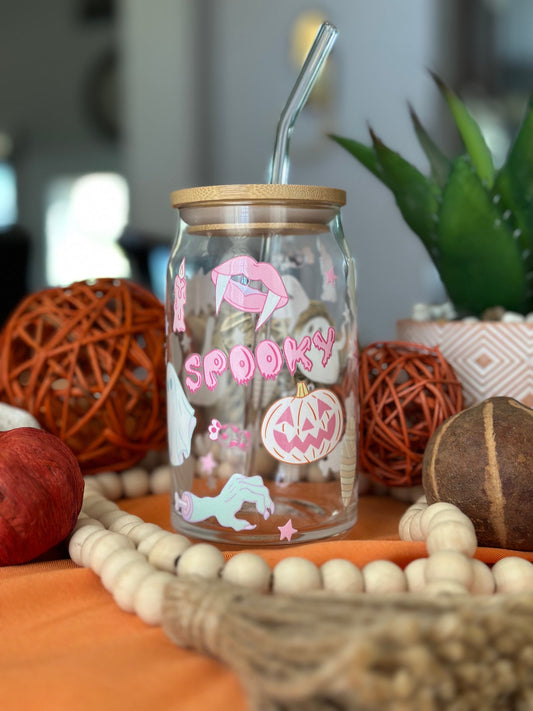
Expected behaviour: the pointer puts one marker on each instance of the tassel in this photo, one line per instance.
(361, 652)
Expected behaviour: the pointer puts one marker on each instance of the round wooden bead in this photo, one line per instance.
(403, 527)
(383, 576)
(201, 559)
(414, 508)
(415, 574)
(128, 581)
(125, 524)
(142, 530)
(513, 574)
(295, 575)
(146, 545)
(135, 482)
(248, 570)
(450, 565)
(123, 521)
(110, 517)
(114, 563)
(92, 485)
(166, 551)
(104, 546)
(84, 520)
(111, 484)
(78, 538)
(92, 494)
(160, 479)
(451, 536)
(434, 509)
(415, 527)
(148, 600)
(87, 546)
(97, 506)
(448, 515)
(483, 583)
(445, 587)
(341, 576)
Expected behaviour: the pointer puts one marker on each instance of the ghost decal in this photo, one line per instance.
(180, 419)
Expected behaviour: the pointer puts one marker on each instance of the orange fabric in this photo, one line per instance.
(64, 644)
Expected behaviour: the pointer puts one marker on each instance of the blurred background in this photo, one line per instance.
(106, 106)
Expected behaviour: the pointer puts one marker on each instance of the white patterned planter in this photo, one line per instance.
(489, 358)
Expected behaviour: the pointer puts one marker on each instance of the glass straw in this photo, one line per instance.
(279, 174)
(317, 55)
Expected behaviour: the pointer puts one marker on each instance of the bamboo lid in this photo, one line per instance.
(260, 193)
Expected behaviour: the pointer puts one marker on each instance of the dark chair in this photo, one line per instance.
(15, 248)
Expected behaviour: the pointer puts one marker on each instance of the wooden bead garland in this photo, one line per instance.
(136, 560)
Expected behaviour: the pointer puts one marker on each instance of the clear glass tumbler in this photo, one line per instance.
(261, 365)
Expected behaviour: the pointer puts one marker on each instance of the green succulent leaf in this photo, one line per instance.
(417, 196)
(470, 133)
(513, 188)
(364, 154)
(439, 163)
(481, 263)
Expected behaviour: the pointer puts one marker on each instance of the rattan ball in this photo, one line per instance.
(406, 391)
(88, 362)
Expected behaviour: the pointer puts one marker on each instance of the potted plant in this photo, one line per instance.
(476, 222)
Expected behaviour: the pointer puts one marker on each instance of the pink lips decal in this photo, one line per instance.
(232, 284)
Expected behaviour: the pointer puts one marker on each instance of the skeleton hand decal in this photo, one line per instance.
(238, 490)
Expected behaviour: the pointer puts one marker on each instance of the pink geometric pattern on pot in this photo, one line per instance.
(489, 358)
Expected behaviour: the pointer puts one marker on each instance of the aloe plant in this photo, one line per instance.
(475, 221)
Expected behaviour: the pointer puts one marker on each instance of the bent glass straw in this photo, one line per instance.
(317, 55)
(279, 172)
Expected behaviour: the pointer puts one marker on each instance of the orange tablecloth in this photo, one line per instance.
(64, 644)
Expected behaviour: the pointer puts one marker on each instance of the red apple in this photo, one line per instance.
(41, 493)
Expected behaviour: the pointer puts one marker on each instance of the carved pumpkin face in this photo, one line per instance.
(303, 428)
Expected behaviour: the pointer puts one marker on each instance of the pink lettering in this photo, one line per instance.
(269, 359)
(192, 362)
(215, 363)
(295, 353)
(325, 346)
(242, 364)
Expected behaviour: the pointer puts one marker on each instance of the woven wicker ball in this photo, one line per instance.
(88, 362)
(405, 391)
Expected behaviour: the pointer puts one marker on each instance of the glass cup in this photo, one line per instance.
(261, 365)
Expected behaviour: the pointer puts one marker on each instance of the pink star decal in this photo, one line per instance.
(287, 531)
(208, 463)
(331, 277)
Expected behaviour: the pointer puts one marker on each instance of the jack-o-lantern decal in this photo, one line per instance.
(303, 428)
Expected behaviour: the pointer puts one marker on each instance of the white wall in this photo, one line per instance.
(205, 86)
(160, 48)
(46, 54)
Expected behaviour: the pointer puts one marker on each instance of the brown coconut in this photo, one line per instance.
(481, 460)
